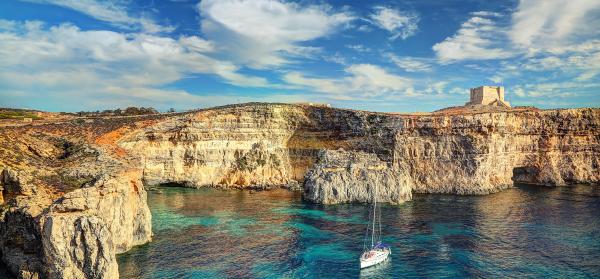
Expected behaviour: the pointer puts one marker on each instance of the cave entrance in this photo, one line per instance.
(172, 184)
(525, 174)
(156, 187)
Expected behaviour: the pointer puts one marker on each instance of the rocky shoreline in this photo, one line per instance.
(74, 192)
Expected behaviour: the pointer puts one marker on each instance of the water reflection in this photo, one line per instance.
(528, 231)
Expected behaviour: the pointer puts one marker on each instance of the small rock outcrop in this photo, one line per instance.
(340, 176)
(13, 183)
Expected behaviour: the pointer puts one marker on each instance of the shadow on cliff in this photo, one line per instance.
(526, 174)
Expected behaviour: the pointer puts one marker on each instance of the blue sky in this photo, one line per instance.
(397, 56)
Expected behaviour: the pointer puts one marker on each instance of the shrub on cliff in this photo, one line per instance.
(139, 111)
(120, 112)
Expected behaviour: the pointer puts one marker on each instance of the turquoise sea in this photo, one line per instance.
(524, 232)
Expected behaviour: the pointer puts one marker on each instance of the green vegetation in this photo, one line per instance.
(66, 183)
(17, 114)
(275, 160)
(76, 182)
(242, 164)
(118, 112)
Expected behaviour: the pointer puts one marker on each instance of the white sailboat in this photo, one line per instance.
(377, 252)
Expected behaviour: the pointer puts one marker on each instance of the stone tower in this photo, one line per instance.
(488, 96)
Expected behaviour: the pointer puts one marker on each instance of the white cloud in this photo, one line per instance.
(479, 38)
(63, 60)
(400, 24)
(374, 80)
(110, 11)
(592, 45)
(411, 64)
(537, 27)
(539, 24)
(544, 63)
(362, 81)
(565, 89)
(359, 48)
(148, 25)
(323, 85)
(7, 25)
(197, 44)
(496, 79)
(459, 91)
(436, 88)
(519, 92)
(265, 33)
(588, 75)
(582, 60)
(159, 59)
(336, 58)
(364, 28)
(486, 14)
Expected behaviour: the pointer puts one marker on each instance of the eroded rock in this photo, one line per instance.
(78, 246)
(344, 176)
(13, 183)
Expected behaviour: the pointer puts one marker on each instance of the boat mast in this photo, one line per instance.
(374, 211)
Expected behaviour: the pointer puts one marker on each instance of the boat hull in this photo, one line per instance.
(373, 257)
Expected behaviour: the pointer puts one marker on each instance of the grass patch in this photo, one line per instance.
(65, 183)
(18, 114)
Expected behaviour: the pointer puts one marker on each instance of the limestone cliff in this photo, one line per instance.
(69, 206)
(73, 191)
(253, 144)
(342, 176)
(237, 146)
(77, 235)
(486, 152)
(82, 231)
(478, 152)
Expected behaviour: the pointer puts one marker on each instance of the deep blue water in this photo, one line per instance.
(527, 231)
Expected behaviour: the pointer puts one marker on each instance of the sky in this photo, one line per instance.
(392, 56)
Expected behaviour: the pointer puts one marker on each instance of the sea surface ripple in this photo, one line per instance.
(524, 232)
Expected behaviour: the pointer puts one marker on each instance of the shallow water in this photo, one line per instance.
(527, 231)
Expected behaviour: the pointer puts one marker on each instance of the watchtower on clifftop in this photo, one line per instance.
(488, 96)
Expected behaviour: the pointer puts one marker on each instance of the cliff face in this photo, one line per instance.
(69, 207)
(229, 147)
(343, 176)
(77, 235)
(73, 192)
(487, 152)
(251, 145)
(461, 153)
(82, 231)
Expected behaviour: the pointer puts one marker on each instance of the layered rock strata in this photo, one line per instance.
(342, 176)
(478, 152)
(253, 144)
(487, 152)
